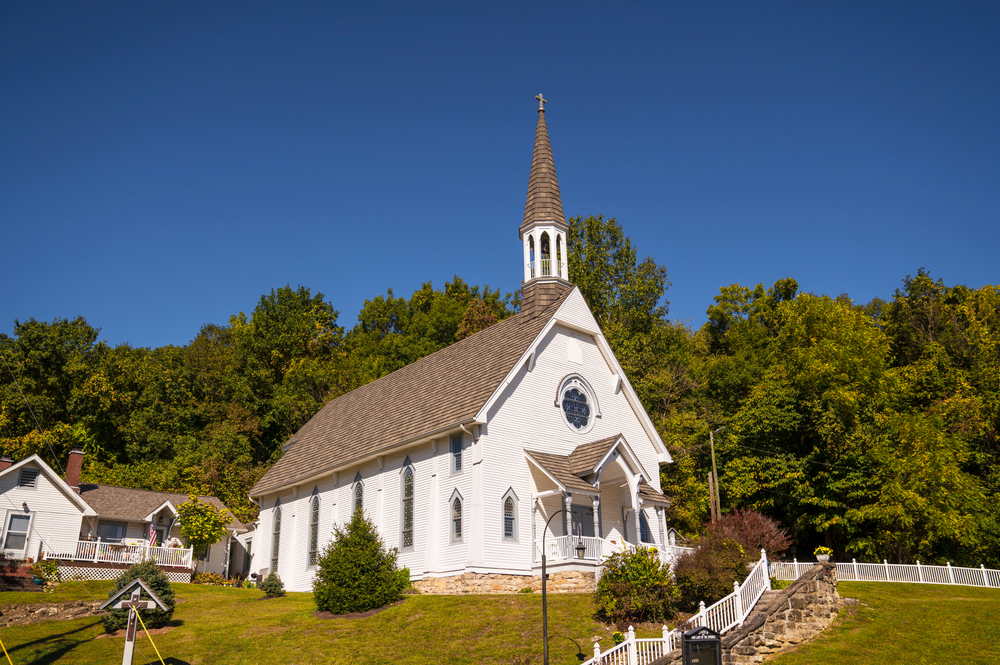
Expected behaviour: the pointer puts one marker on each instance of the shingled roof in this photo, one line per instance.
(112, 501)
(544, 202)
(430, 395)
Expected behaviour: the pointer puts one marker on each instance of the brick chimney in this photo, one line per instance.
(73, 468)
(5, 462)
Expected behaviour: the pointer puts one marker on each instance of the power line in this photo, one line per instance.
(31, 411)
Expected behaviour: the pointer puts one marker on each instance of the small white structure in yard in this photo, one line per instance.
(461, 457)
(130, 597)
(94, 531)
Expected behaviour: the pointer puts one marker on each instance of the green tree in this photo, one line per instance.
(202, 524)
(357, 572)
(156, 580)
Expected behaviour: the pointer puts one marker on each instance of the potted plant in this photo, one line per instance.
(822, 553)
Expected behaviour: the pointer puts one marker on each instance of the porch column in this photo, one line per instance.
(568, 499)
(597, 515)
(637, 506)
(534, 530)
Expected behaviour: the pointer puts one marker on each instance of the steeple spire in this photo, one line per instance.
(544, 202)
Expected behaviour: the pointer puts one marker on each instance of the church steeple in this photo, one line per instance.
(544, 230)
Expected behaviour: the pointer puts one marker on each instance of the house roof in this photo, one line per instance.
(54, 478)
(650, 495)
(558, 467)
(111, 501)
(544, 202)
(584, 458)
(431, 395)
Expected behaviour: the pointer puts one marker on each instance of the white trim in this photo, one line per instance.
(407, 466)
(510, 495)
(456, 496)
(55, 480)
(165, 504)
(562, 488)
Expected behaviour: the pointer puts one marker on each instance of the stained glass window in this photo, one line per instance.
(508, 519)
(575, 407)
(456, 453)
(276, 538)
(408, 508)
(314, 531)
(359, 497)
(456, 520)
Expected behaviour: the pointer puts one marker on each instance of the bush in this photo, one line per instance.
(214, 579)
(47, 570)
(635, 586)
(707, 574)
(249, 585)
(356, 572)
(754, 531)
(156, 580)
(272, 586)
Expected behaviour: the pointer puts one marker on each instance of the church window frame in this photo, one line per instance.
(407, 500)
(455, 517)
(455, 446)
(645, 533)
(312, 550)
(509, 516)
(358, 495)
(531, 254)
(571, 388)
(276, 536)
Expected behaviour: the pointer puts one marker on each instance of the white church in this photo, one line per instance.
(461, 458)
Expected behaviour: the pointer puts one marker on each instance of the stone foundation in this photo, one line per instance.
(22, 614)
(781, 620)
(571, 581)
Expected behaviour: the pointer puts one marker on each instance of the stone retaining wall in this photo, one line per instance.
(572, 581)
(22, 614)
(781, 620)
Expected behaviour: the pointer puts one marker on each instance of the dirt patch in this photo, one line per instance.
(356, 615)
(138, 633)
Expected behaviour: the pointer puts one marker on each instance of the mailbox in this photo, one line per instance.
(701, 646)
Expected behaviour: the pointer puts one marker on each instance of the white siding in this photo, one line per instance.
(53, 514)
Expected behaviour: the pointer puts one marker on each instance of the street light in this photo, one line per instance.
(580, 550)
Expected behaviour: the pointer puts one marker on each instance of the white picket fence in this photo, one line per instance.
(728, 613)
(896, 572)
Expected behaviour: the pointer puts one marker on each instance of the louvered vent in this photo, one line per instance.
(29, 478)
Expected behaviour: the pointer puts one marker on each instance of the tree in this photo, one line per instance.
(157, 580)
(202, 524)
(635, 586)
(356, 572)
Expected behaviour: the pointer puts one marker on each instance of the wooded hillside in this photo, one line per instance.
(871, 428)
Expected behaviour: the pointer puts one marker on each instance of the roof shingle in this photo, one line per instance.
(112, 501)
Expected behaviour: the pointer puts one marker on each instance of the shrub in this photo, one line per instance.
(635, 586)
(156, 580)
(617, 637)
(526, 589)
(249, 585)
(754, 531)
(356, 572)
(707, 574)
(47, 570)
(272, 586)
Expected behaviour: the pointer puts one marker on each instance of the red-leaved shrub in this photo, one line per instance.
(753, 531)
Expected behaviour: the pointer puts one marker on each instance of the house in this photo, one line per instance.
(464, 458)
(94, 531)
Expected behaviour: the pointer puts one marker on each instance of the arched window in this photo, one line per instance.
(313, 530)
(546, 255)
(407, 535)
(359, 496)
(531, 254)
(276, 537)
(508, 519)
(456, 519)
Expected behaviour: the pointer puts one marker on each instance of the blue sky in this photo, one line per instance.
(162, 166)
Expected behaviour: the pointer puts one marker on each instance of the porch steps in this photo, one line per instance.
(17, 578)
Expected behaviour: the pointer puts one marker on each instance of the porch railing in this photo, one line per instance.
(95, 551)
(896, 572)
(563, 548)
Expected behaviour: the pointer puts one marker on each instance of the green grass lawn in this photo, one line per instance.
(220, 625)
(911, 624)
(89, 590)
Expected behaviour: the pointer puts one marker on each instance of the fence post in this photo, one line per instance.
(633, 653)
(767, 569)
(97, 549)
(701, 614)
(920, 572)
(885, 564)
(983, 568)
(739, 603)
(795, 562)
(951, 575)
(597, 652)
(855, 562)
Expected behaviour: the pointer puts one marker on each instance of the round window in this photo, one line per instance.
(578, 405)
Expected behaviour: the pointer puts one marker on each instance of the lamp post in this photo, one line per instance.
(580, 549)
(715, 474)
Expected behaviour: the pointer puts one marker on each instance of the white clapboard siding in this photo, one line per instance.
(54, 515)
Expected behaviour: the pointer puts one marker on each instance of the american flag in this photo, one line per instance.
(152, 535)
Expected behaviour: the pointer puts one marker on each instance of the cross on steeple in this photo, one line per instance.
(541, 101)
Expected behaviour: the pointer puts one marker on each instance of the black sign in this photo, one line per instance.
(701, 646)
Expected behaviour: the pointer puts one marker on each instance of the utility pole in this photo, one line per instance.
(711, 497)
(715, 473)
